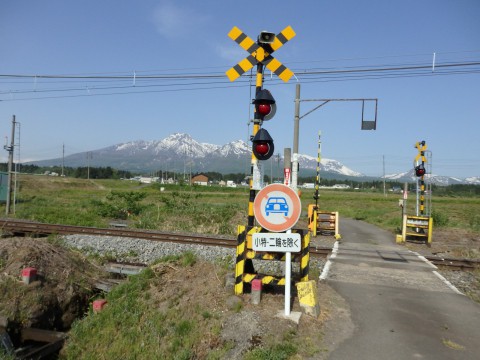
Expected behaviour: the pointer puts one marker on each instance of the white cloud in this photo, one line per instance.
(231, 52)
(174, 22)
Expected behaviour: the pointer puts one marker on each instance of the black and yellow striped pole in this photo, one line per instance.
(420, 173)
(256, 127)
(313, 208)
(317, 180)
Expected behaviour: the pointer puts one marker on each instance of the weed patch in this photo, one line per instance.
(278, 351)
(151, 314)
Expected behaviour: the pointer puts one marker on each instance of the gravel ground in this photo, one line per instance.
(146, 252)
(464, 281)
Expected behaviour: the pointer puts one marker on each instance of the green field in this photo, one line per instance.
(213, 209)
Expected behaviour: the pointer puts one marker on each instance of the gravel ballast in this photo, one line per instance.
(146, 252)
(143, 251)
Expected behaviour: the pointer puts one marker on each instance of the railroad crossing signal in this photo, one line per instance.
(260, 52)
(262, 147)
(419, 170)
(421, 147)
(264, 104)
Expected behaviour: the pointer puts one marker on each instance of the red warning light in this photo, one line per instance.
(420, 170)
(264, 109)
(262, 148)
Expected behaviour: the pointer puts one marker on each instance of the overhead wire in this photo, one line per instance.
(102, 84)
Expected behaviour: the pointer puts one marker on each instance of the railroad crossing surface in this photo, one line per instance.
(399, 307)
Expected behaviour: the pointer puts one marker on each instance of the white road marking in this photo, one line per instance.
(326, 268)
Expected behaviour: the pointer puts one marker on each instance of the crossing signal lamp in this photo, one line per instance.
(265, 106)
(262, 145)
(419, 170)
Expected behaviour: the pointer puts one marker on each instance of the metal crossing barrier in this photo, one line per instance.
(244, 269)
(323, 222)
(417, 226)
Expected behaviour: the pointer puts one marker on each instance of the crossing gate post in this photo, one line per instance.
(305, 257)
(328, 221)
(417, 226)
(240, 259)
(245, 253)
(312, 219)
(260, 54)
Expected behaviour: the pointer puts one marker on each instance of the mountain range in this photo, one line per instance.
(180, 152)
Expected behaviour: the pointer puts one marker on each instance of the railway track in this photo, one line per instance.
(35, 229)
(22, 227)
(454, 264)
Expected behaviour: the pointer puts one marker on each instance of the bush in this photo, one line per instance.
(439, 219)
(120, 205)
(474, 222)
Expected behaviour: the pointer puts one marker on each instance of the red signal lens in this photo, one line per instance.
(264, 109)
(420, 170)
(262, 148)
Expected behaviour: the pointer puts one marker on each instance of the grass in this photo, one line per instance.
(279, 351)
(383, 211)
(134, 323)
(83, 202)
(214, 210)
(5, 356)
(452, 345)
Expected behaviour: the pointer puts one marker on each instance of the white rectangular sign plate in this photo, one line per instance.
(276, 242)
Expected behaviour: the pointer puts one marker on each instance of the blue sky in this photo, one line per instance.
(440, 105)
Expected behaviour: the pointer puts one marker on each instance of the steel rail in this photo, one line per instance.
(455, 264)
(36, 228)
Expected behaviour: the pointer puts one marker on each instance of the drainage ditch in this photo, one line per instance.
(37, 313)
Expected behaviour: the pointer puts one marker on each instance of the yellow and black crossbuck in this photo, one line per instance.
(421, 147)
(260, 53)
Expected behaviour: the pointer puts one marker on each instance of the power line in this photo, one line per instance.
(216, 81)
(213, 76)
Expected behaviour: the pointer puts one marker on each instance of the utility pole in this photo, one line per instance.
(63, 158)
(89, 157)
(384, 187)
(296, 126)
(366, 125)
(10, 165)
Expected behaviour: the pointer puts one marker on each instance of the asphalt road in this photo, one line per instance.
(400, 309)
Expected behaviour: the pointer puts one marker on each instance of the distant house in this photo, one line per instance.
(146, 180)
(341, 186)
(199, 179)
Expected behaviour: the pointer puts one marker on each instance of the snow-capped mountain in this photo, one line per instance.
(409, 176)
(474, 180)
(326, 165)
(179, 151)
